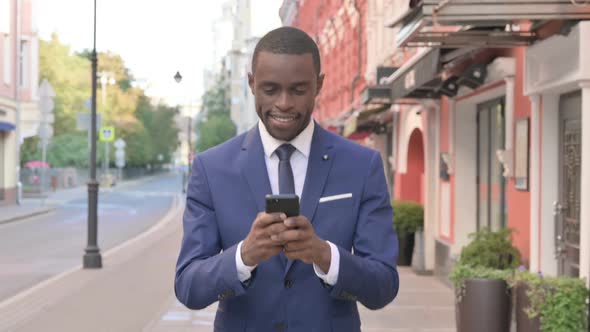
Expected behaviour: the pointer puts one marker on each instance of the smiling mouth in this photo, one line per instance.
(282, 118)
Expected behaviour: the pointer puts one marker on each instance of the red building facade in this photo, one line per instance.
(339, 29)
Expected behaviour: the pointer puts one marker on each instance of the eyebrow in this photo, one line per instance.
(292, 84)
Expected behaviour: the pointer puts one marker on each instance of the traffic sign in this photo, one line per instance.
(120, 154)
(107, 134)
(83, 121)
(120, 143)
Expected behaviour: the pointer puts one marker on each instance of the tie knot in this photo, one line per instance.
(285, 151)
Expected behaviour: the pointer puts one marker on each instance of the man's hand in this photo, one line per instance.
(258, 246)
(301, 242)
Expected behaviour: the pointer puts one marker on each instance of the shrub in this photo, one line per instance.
(408, 217)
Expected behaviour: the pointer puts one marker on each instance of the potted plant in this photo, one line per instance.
(522, 284)
(550, 304)
(482, 295)
(408, 218)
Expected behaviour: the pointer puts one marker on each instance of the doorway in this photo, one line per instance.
(567, 216)
(491, 184)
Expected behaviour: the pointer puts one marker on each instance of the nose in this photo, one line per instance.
(284, 101)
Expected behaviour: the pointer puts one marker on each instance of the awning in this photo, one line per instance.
(458, 23)
(5, 126)
(418, 79)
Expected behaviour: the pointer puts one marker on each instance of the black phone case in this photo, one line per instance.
(285, 203)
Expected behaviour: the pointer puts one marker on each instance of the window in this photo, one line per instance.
(6, 58)
(24, 64)
(491, 184)
(4, 16)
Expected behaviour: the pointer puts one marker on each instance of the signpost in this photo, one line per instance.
(107, 135)
(120, 156)
(46, 105)
(83, 123)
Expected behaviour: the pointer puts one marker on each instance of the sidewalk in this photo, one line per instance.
(127, 292)
(423, 305)
(134, 292)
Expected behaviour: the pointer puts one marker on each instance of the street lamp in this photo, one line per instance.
(92, 256)
(178, 79)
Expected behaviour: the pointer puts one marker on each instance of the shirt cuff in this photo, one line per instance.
(244, 271)
(331, 277)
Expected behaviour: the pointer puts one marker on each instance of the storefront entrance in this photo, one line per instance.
(491, 184)
(567, 212)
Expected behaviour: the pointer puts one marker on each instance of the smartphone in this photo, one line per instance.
(285, 203)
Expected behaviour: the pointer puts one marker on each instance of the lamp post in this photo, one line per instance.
(178, 79)
(92, 256)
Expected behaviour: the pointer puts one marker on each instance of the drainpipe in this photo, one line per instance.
(358, 74)
(17, 99)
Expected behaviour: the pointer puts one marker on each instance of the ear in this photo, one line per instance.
(251, 82)
(320, 83)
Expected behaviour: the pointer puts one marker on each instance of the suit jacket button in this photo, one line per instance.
(288, 283)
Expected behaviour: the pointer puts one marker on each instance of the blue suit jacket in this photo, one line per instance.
(225, 193)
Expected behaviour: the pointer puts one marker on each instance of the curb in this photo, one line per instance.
(174, 209)
(27, 216)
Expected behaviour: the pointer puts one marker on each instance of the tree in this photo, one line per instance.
(218, 126)
(149, 129)
(70, 77)
(217, 129)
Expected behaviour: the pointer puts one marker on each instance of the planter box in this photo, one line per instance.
(522, 301)
(483, 305)
(406, 250)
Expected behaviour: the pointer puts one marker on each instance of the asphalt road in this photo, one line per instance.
(36, 249)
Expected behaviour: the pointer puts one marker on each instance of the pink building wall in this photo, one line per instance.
(27, 33)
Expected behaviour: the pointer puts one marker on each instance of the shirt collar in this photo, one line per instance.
(302, 142)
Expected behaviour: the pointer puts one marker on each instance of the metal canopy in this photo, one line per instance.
(485, 11)
(476, 37)
(483, 23)
(418, 80)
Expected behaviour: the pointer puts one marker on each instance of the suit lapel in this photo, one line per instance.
(254, 167)
(318, 168)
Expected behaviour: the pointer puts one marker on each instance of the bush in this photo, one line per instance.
(559, 302)
(493, 250)
(408, 217)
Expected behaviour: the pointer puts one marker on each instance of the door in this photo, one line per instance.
(568, 207)
(491, 184)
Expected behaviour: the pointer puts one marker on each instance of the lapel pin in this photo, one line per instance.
(325, 157)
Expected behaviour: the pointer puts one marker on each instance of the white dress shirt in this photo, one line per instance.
(299, 160)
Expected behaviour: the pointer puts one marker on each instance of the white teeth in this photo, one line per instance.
(283, 119)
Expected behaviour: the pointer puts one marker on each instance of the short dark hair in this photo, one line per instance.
(288, 40)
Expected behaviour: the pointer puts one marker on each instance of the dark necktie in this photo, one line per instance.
(286, 181)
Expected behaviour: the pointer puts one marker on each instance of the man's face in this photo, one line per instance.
(284, 88)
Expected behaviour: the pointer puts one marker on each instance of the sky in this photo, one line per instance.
(155, 37)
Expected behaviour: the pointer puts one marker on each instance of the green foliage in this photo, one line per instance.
(159, 126)
(70, 149)
(489, 249)
(70, 77)
(30, 150)
(149, 130)
(217, 129)
(408, 217)
(560, 302)
(218, 126)
(461, 272)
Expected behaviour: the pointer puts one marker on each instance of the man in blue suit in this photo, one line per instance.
(270, 272)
